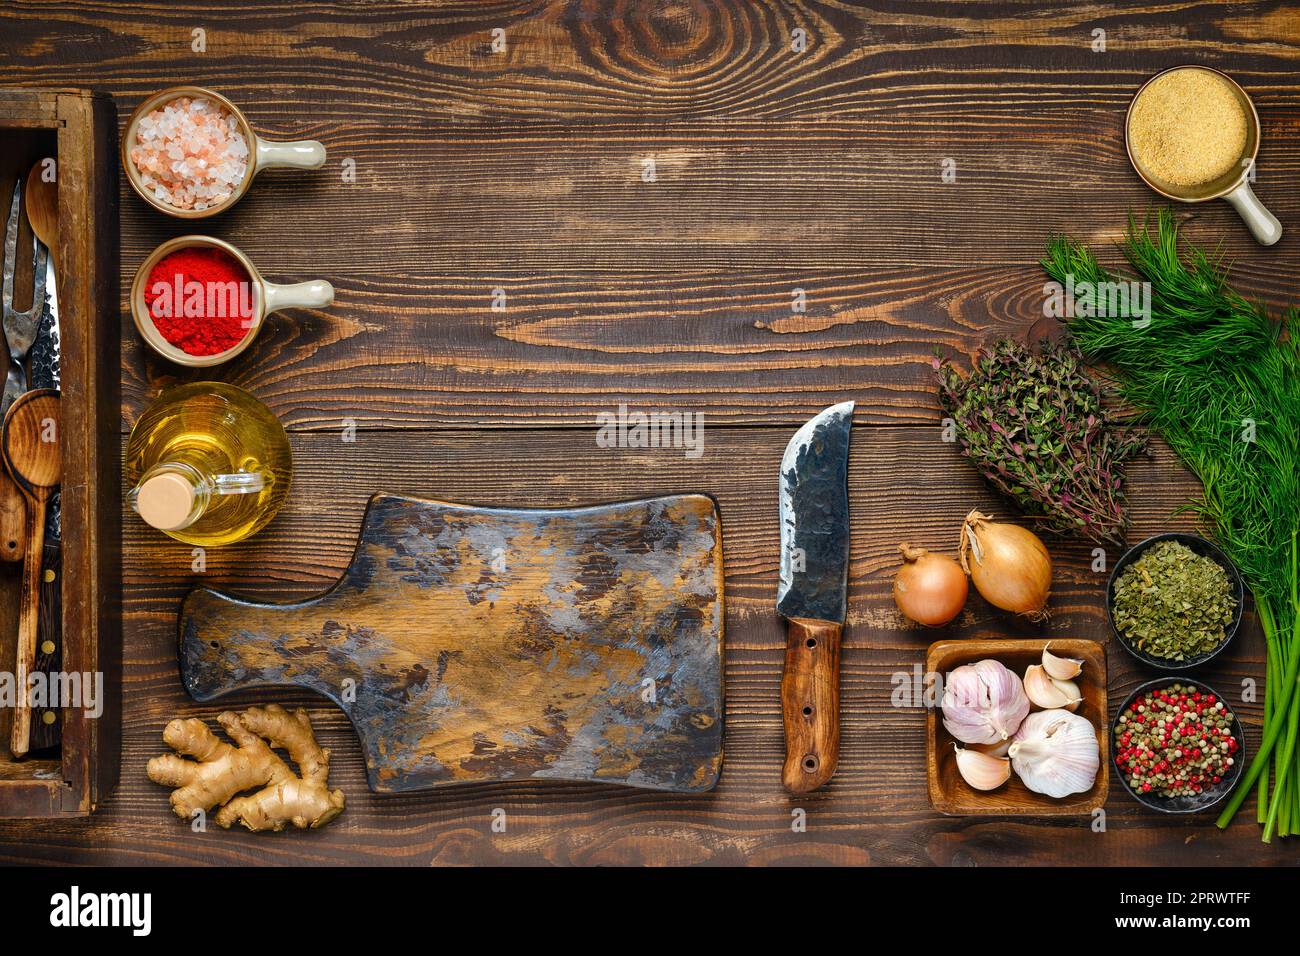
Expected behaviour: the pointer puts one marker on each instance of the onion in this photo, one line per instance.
(929, 589)
(1009, 566)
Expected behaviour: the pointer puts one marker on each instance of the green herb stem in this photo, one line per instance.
(1272, 729)
(1270, 677)
(1280, 790)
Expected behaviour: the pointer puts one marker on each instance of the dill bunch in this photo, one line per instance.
(1219, 379)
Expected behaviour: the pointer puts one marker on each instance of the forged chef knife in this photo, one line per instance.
(812, 593)
(44, 359)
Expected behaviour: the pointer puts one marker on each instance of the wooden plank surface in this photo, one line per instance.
(774, 170)
(875, 808)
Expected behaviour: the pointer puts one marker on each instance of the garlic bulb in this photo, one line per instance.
(982, 771)
(983, 703)
(1048, 692)
(1056, 753)
(1061, 668)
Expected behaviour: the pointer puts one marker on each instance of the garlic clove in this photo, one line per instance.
(1061, 668)
(1044, 691)
(1071, 691)
(982, 771)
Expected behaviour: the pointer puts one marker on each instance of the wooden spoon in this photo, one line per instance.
(42, 201)
(32, 448)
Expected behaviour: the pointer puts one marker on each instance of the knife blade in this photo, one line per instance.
(44, 354)
(812, 594)
(44, 358)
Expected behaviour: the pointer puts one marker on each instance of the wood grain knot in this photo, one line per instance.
(695, 43)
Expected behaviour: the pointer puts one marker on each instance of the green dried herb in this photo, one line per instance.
(1034, 425)
(1173, 603)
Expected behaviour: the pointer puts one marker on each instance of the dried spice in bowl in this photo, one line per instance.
(1173, 603)
(200, 299)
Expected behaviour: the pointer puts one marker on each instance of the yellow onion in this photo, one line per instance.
(1009, 566)
(929, 589)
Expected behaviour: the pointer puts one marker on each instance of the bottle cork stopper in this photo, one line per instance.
(165, 501)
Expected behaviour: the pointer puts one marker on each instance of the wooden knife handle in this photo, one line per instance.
(13, 519)
(810, 702)
(28, 624)
(45, 730)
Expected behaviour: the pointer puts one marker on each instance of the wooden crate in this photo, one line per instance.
(79, 128)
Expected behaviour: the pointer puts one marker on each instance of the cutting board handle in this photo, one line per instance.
(228, 644)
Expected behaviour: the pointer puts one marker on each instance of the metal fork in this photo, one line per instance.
(20, 327)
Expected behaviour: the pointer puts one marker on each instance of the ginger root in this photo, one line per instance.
(219, 772)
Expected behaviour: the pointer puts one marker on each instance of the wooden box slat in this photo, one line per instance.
(84, 127)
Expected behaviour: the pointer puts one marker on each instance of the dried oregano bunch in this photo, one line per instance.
(1034, 425)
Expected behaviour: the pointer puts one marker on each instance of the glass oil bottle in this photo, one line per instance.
(208, 464)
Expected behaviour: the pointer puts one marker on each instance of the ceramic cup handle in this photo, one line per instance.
(1262, 223)
(304, 154)
(300, 295)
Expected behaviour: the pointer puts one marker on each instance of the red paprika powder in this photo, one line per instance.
(200, 299)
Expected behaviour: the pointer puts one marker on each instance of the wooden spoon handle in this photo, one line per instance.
(28, 623)
(13, 519)
(810, 703)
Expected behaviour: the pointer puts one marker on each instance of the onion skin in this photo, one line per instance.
(929, 589)
(1008, 565)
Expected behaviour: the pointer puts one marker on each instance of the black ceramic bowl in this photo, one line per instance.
(1210, 795)
(1202, 547)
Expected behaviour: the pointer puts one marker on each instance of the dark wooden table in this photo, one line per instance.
(795, 146)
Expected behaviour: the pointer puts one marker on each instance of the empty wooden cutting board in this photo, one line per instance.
(482, 644)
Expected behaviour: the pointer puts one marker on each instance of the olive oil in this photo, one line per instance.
(209, 464)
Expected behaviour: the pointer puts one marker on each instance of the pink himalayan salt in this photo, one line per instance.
(190, 153)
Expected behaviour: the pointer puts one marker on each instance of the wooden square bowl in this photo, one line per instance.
(950, 794)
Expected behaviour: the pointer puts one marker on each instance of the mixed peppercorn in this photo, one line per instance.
(1175, 742)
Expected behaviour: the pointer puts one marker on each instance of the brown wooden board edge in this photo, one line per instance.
(1092, 652)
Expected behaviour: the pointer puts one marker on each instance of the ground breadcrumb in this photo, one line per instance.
(1187, 127)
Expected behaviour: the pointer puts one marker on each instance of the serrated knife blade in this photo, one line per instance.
(44, 355)
(812, 593)
(44, 360)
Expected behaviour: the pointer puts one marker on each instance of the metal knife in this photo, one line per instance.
(812, 595)
(44, 359)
